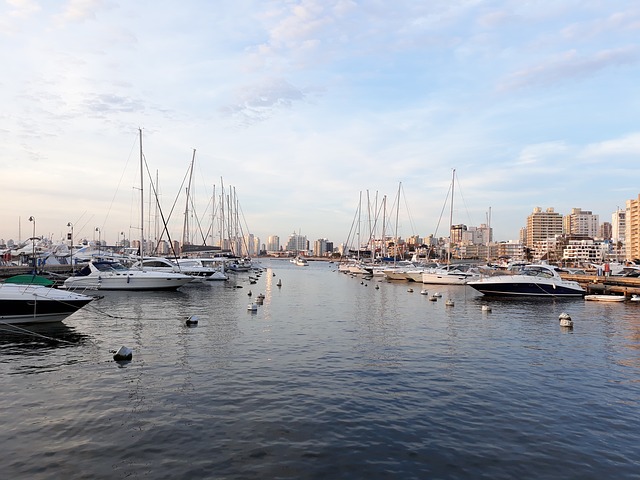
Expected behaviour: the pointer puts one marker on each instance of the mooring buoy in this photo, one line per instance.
(123, 354)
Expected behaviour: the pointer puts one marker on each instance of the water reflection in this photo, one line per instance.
(38, 338)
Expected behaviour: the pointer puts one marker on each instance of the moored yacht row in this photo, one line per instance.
(530, 280)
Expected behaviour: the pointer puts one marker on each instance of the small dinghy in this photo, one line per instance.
(605, 298)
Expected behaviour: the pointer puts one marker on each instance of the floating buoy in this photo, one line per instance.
(449, 302)
(424, 292)
(192, 320)
(249, 293)
(437, 294)
(410, 290)
(377, 287)
(123, 354)
(486, 308)
(252, 307)
(565, 320)
(635, 298)
(279, 284)
(433, 298)
(274, 274)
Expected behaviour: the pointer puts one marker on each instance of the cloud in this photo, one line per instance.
(626, 146)
(568, 66)
(79, 10)
(258, 102)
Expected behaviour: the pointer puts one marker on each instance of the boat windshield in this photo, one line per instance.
(109, 266)
(537, 272)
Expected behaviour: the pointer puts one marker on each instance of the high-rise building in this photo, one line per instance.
(581, 223)
(605, 231)
(273, 244)
(618, 225)
(320, 247)
(297, 243)
(543, 225)
(632, 221)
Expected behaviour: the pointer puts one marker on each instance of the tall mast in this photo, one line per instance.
(395, 254)
(185, 227)
(141, 202)
(453, 182)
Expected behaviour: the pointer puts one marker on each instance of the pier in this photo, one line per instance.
(606, 284)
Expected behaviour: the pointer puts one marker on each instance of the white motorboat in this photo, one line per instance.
(532, 280)
(22, 303)
(186, 266)
(100, 275)
(449, 275)
(216, 265)
(605, 298)
(300, 261)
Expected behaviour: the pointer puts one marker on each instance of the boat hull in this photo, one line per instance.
(526, 288)
(127, 282)
(605, 298)
(24, 304)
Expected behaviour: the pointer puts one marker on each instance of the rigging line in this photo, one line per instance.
(119, 183)
(102, 312)
(17, 329)
(155, 193)
(406, 204)
(463, 201)
(444, 205)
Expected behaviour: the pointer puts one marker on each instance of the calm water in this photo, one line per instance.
(331, 378)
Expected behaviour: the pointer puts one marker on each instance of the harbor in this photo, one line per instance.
(330, 377)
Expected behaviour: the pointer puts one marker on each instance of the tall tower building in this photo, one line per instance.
(543, 225)
(632, 221)
(581, 223)
(618, 225)
(273, 244)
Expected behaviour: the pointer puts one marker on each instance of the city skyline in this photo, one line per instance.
(302, 106)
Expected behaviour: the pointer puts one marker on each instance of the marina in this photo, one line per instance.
(328, 377)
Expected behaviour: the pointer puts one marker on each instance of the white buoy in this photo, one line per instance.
(437, 294)
(123, 354)
(192, 320)
(279, 284)
(449, 302)
(410, 290)
(486, 308)
(424, 292)
(565, 320)
(252, 307)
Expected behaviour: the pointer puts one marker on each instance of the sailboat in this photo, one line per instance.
(108, 275)
(449, 274)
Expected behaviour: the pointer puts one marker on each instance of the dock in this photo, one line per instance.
(606, 284)
(48, 270)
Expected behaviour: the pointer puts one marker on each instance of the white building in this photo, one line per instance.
(273, 244)
(585, 251)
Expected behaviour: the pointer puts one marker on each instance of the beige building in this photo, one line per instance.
(632, 220)
(542, 225)
(581, 223)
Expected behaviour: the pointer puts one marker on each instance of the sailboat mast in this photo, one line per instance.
(141, 201)
(185, 227)
(453, 182)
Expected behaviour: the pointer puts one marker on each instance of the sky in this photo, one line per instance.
(314, 110)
